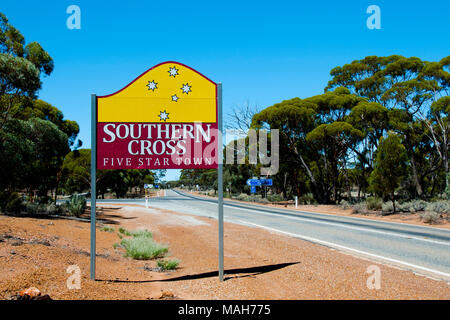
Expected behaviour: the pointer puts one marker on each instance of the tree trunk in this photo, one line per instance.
(445, 156)
(349, 187)
(416, 178)
(393, 201)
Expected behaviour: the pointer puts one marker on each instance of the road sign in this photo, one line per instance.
(254, 182)
(170, 117)
(148, 186)
(266, 182)
(253, 189)
(166, 118)
(259, 182)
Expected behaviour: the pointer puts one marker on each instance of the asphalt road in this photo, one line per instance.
(425, 250)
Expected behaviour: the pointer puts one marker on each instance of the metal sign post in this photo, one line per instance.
(220, 178)
(93, 180)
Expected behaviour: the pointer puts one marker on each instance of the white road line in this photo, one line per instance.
(359, 219)
(414, 267)
(188, 207)
(349, 227)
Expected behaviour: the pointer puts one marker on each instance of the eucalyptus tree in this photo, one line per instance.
(390, 167)
(21, 66)
(412, 89)
(315, 136)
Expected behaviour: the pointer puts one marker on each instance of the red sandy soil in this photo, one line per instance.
(336, 210)
(259, 264)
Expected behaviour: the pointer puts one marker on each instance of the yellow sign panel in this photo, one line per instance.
(167, 93)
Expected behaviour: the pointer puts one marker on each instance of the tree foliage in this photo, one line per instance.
(330, 143)
(34, 136)
(390, 167)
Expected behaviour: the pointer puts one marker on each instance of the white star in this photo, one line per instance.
(152, 85)
(163, 115)
(175, 98)
(186, 88)
(173, 72)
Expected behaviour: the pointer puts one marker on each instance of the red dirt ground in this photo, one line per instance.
(259, 264)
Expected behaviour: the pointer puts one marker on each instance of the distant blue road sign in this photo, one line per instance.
(266, 182)
(253, 182)
(253, 189)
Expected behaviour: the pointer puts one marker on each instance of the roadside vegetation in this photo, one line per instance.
(140, 245)
(40, 154)
(107, 229)
(381, 129)
(164, 265)
(429, 212)
(376, 140)
(434, 211)
(16, 205)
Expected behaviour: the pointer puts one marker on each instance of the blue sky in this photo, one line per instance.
(262, 51)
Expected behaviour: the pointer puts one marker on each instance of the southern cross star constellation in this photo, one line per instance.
(152, 85)
(173, 72)
(163, 115)
(186, 88)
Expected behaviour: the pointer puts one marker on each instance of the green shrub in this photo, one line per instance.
(167, 264)
(412, 206)
(14, 203)
(417, 205)
(141, 245)
(252, 198)
(441, 207)
(406, 207)
(77, 205)
(344, 204)
(53, 209)
(64, 207)
(430, 217)
(140, 233)
(135, 233)
(387, 208)
(143, 248)
(242, 197)
(373, 203)
(275, 197)
(33, 208)
(360, 208)
(306, 199)
(107, 229)
(11, 202)
(261, 200)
